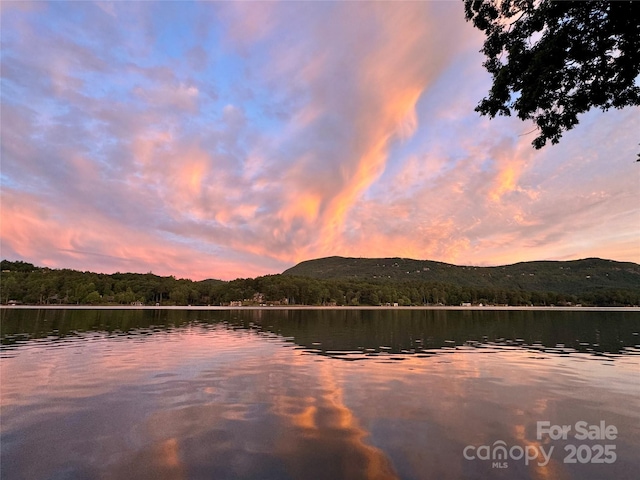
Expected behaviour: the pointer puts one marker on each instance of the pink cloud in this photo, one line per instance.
(310, 130)
(504, 211)
(365, 75)
(75, 239)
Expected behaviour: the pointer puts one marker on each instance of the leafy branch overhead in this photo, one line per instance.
(552, 61)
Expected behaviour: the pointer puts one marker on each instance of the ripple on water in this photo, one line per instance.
(150, 394)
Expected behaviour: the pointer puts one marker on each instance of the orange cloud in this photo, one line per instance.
(505, 182)
(66, 238)
(388, 74)
(326, 130)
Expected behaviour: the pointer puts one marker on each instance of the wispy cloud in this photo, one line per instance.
(235, 139)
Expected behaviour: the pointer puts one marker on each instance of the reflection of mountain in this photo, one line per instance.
(234, 394)
(366, 331)
(415, 331)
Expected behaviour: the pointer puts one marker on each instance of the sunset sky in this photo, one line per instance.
(233, 140)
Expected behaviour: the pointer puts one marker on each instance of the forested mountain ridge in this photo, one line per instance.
(574, 276)
(339, 281)
(23, 282)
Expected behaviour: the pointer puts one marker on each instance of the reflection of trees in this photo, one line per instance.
(323, 330)
(415, 330)
(248, 408)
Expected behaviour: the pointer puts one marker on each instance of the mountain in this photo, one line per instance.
(339, 281)
(574, 276)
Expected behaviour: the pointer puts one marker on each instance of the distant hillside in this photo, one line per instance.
(338, 281)
(25, 283)
(574, 277)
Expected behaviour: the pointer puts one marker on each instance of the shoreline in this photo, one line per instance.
(319, 307)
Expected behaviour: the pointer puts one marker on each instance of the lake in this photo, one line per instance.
(319, 394)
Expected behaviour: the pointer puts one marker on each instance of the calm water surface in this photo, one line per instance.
(318, 394)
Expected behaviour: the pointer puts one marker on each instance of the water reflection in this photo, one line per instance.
(264, 393)
(355, 334)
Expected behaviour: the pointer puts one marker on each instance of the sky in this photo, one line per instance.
(236, 139)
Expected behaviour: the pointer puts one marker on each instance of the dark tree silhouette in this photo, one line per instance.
(552, 61)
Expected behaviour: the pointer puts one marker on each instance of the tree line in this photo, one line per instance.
(24, 283)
